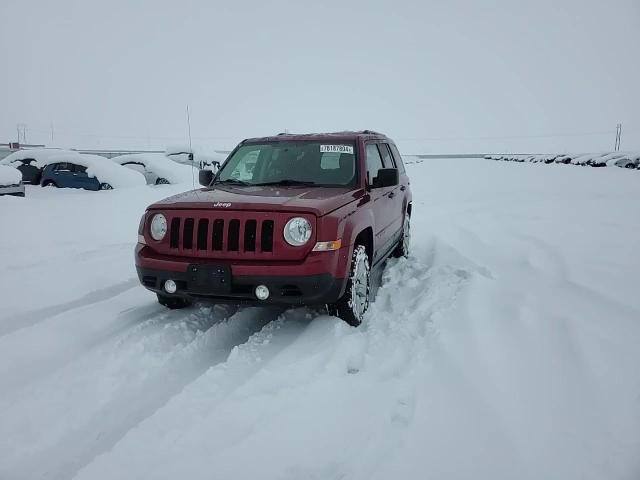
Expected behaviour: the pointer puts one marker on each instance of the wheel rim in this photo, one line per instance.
(162, 181)
(106, 186)
(406, 236)
(360, 286)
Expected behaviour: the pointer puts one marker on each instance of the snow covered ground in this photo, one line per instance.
(507, 347)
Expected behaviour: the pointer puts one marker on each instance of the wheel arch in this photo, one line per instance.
(365, 238)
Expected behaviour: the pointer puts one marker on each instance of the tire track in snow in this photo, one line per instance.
(30, 318)
(293, 384)
(170, 353)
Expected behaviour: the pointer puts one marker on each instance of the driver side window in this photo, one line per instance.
(374, 162)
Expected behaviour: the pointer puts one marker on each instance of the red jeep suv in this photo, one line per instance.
(289, 219)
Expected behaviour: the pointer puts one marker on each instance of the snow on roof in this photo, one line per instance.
(40, 155)
(103, 169)
(159, 164)
(9, 176)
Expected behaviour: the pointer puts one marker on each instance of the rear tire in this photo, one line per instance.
(355, 301)
(106, 186)
(404, 245)
(173, 303)
(162, 181)
(50, 183)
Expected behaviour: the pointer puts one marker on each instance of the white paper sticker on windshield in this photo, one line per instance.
(336, 149)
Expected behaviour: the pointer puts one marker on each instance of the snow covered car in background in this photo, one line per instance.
(624, 160)
(203, 160)
(11, 181)
(157, 168)
(602, 160)
(30, 162)
(565, 159)
(89, 172)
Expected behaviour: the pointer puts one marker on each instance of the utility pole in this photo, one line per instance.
(21, 128)
(618, 137)
(51, 132)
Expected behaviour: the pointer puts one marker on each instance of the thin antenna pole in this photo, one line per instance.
(189, 128)
(193, 180)
(51, 132)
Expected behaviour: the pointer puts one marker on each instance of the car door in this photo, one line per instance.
(393, 194)
(82, 180)
(378, 199)
(62, 175)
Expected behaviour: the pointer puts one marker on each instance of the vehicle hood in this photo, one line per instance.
(318, 201)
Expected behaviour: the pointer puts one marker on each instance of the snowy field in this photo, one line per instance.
(507, 347)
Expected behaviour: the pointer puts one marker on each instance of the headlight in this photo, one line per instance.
(297, 231)
(158, 227)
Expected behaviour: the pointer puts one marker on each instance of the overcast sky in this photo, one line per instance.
(438, 76)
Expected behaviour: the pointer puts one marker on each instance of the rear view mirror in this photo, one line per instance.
(205, 177)
(387, 177)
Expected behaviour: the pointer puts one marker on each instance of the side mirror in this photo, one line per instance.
(215, 166)
(205, 177)
(387, 177)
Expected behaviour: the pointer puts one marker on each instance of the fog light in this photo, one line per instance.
(262, 292)
(170, 286)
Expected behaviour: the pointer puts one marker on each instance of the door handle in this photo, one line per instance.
(391, 194)
(403, 188)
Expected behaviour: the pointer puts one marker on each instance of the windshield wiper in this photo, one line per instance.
(231, 181)
(287, 181)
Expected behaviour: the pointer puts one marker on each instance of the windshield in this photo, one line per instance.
(294, 163)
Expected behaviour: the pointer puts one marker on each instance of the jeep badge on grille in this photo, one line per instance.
(222, 204)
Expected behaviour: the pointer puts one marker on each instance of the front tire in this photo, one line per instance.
(162, 181)
(50, 183)
(106, 186)
(404, 245)
(355, 301)
(173, 303)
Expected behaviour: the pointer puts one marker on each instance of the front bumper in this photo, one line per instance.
(289, 283)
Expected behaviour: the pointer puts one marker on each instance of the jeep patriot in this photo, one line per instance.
(288, 219)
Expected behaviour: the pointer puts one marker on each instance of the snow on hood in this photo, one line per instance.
(9, 175)
(41, 156)
(161, 165)
(103, 169)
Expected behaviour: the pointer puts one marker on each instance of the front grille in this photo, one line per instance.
(225, 235)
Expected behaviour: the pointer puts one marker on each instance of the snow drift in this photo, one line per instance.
(505, 348)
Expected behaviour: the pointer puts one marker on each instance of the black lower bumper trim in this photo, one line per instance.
(298, 290)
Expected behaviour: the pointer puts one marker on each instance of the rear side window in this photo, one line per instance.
(374, 162)
(398, 158)
(386, 156)
(79, 169)
(62, 167)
